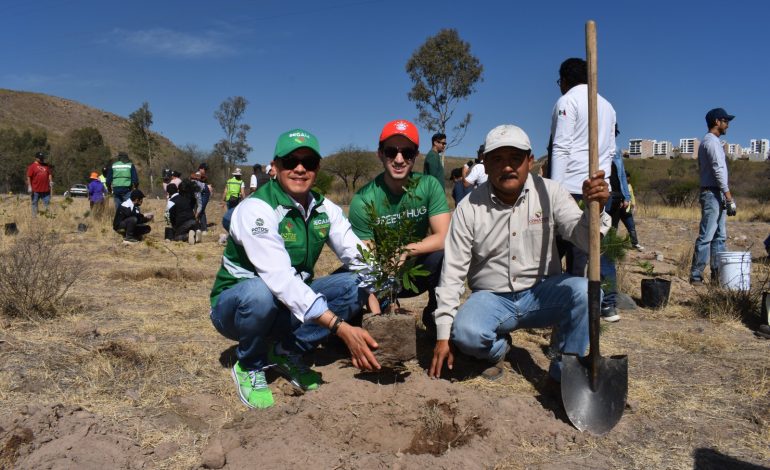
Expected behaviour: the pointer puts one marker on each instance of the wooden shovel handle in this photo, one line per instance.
(593, 151)
(594, 211)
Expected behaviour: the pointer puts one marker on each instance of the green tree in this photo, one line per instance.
(352, 164)
(141, 142)
(83, 151)
(17, 151)
(444, 72)
(233, 148)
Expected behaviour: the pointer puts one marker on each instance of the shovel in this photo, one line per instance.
(594, 388)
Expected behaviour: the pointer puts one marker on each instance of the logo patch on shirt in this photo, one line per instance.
(259, 228)
(562, 112)
(537, 219)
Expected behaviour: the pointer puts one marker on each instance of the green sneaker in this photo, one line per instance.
(291, 366)
(252, 387)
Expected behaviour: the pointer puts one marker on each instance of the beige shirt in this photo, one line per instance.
(503, 248)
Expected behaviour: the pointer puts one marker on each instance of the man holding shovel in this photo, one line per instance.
(264, 295)
(502, 238)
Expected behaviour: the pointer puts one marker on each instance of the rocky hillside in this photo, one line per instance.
(26, 110)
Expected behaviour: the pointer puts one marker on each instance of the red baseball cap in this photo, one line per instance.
(401, 127)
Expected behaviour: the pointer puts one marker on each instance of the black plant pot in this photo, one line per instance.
(168, 233)
(655, 292)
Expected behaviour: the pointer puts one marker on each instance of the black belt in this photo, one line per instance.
(709, 188)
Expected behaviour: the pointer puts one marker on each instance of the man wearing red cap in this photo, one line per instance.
(425, 205)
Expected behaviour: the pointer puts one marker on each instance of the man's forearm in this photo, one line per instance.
(429, 244)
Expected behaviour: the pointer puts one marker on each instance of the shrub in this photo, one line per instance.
(35, 274)
(720, 305)
(677, 193)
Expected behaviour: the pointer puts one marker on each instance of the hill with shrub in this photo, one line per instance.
(78, 138)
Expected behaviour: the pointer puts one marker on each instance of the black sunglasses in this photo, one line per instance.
(409, 153)
(291, 162)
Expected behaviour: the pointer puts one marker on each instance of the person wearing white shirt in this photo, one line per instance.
(477, 175)
(568, 157)
(265, 295)
(569, 129)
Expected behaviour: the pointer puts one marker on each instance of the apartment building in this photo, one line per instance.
(662, 149)
(688, 148)
(640, 148)
(761, 147)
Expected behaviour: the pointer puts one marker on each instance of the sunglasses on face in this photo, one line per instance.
(291, 162)
(409, 153)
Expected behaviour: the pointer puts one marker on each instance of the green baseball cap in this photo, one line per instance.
(294, 139)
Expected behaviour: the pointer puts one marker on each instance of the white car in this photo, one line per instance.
(77, 190)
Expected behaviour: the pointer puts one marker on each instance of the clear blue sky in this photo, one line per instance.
(336, 68)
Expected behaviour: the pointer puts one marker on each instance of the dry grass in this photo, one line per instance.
(749, 210)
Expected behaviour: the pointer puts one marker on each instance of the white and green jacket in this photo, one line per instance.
(274, 238)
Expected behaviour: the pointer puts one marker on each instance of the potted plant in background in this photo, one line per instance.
(655, 291)
(391, 271)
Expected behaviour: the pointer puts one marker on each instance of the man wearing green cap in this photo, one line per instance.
(265, 287)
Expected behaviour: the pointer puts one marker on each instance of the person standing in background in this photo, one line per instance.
(716, 200)
(39, 182)
(433, 165)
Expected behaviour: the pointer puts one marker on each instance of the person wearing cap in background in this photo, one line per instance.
(476, 175)
(39, 182)
(425, 204)
(234, 190)
(121, 179)
(129, 219)
(433, 165)
(502, 238)
(716, 200)
(96, 194)
(265, 286)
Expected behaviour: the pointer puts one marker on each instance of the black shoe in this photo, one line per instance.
(610, 314)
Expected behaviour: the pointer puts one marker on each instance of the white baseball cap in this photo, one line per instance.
(506, 135)
(237, 172)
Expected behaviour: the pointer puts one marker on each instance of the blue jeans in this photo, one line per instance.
(577, 260)
(711, 235)
(120, 195)
(250, 314)
(227, 218)
(202, 220)
(483, 322)
(46, 197)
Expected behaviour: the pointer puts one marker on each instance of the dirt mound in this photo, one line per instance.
(363, 424)
(56, 437)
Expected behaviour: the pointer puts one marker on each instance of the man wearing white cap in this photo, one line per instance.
(234, 189)
(502, 238)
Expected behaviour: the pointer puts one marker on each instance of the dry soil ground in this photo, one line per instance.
(133, 375)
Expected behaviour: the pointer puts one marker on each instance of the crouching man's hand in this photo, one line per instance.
(360, 344)
(441, 352)
(596, 189)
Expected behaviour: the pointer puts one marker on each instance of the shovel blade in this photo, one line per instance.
(596, 409)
